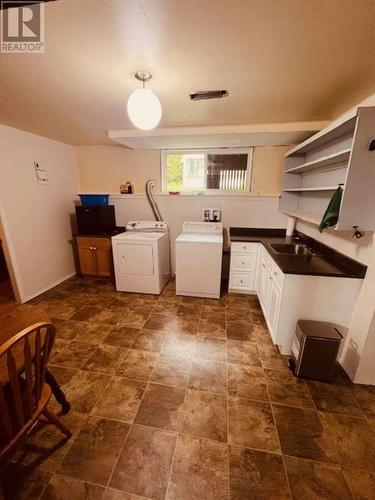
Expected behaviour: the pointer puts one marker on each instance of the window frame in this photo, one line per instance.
(206, 151)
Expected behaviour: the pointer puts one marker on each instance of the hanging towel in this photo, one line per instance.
(331, 215)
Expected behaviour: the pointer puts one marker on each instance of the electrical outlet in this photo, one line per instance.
(215, 215)
(206, 215)
(41, 173)
(211, 215)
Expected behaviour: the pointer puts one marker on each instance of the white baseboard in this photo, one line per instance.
(45, 289)
(364, 380)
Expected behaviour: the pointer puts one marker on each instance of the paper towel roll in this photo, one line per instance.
(291, 225)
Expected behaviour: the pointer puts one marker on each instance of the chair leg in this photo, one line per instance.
(56, 421)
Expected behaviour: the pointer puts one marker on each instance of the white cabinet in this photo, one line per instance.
(269, 292)
(274, 302)
(243, 265)
(286, 298)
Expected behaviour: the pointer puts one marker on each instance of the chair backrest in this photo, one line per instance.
(23, 363)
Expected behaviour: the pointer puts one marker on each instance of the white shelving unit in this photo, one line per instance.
(325, 163)
(302, 189)
(341, 155)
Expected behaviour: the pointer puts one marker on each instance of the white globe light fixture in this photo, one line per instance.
(144, 108)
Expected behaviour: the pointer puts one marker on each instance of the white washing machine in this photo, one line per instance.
(141, 257)
(199, 253)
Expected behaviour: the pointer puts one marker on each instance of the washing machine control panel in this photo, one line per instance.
(203, 227)
(147, 226)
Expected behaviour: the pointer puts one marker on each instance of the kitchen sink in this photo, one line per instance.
(291, 249)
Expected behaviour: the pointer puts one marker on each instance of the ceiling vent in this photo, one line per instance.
(208, 94)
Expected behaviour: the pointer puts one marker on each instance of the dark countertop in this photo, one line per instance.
(109, 234)
(325, 261)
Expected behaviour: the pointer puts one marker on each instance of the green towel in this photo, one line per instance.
(331, 215)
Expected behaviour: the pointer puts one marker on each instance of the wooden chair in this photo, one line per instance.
(24, 395)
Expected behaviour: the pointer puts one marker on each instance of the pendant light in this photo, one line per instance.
(144, 108)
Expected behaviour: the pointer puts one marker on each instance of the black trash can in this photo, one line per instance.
(315, 348)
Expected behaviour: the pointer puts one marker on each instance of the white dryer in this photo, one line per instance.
(141, 257)
(199, 253)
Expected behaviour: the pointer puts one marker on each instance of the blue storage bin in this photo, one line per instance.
(91, 200)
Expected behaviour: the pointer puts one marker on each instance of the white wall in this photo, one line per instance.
(342, 241)
(357, 357)
(103, 168)
(360, 341)
(36, 217)
(365, 371)
(240, 211)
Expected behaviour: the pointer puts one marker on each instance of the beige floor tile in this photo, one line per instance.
(145, 462)
(247, 382)
(94, 452)
(137, 364)
(251, 424)
(172, 370)
(207, 375)
(200, 470)
(256, 474)
(120, 400)
(315, 480)
(204, 415)
(161, 407)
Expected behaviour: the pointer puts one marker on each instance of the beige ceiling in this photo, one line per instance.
(281, 61)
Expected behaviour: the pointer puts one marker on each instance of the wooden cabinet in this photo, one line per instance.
(95, 256)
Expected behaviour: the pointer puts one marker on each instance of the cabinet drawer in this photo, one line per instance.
(88, 241)
(243, 262)
(243, 247)
(245, 281)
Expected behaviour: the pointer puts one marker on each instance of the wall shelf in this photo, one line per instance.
(304, 189)
(334, 160)
(336, 129)
(305, 216)
(338, 155)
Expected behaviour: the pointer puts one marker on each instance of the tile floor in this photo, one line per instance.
(185, 398)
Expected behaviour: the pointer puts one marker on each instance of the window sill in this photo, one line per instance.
(236, 196)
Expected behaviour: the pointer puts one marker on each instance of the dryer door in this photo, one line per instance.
(135, 259)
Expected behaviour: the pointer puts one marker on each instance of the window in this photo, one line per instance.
(206, 170)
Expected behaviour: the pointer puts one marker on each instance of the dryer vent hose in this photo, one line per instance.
(150, 184)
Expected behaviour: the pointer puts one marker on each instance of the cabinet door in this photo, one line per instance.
(104, 263)
(87, 260)
(263, 283)
(274, 308)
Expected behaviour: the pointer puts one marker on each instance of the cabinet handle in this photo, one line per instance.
(91, 248)
(275, 273)
(243, 263)
(241, 281)
(263, 265)
(94, 248)
(245, 247)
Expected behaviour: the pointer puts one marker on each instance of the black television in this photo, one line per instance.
(96, 219)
